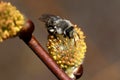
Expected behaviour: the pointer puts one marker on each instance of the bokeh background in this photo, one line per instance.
(99, 19)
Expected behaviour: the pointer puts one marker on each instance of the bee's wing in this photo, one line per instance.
(46, 17)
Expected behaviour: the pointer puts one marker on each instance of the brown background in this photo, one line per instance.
(99, 19)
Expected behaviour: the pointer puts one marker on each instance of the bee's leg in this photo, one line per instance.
(55, 36)
(74, 42)
(76, 37)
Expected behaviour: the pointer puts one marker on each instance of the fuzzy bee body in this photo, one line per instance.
(65, 43)
(56, 25)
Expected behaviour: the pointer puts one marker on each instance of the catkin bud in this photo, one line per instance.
(11, 21)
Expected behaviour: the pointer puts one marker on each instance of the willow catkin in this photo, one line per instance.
(68, 53)
(11, 21)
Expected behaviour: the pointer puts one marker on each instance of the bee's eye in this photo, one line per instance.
(51, 30)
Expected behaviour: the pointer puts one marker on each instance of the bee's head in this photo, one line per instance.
(49, 20)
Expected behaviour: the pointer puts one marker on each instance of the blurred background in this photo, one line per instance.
(100, 21)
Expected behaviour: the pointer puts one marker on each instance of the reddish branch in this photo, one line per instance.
(29, 39)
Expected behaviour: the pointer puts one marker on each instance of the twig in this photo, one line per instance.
(29, 39)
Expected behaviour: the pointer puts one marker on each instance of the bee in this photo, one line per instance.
(65, 43)
(56, 25)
